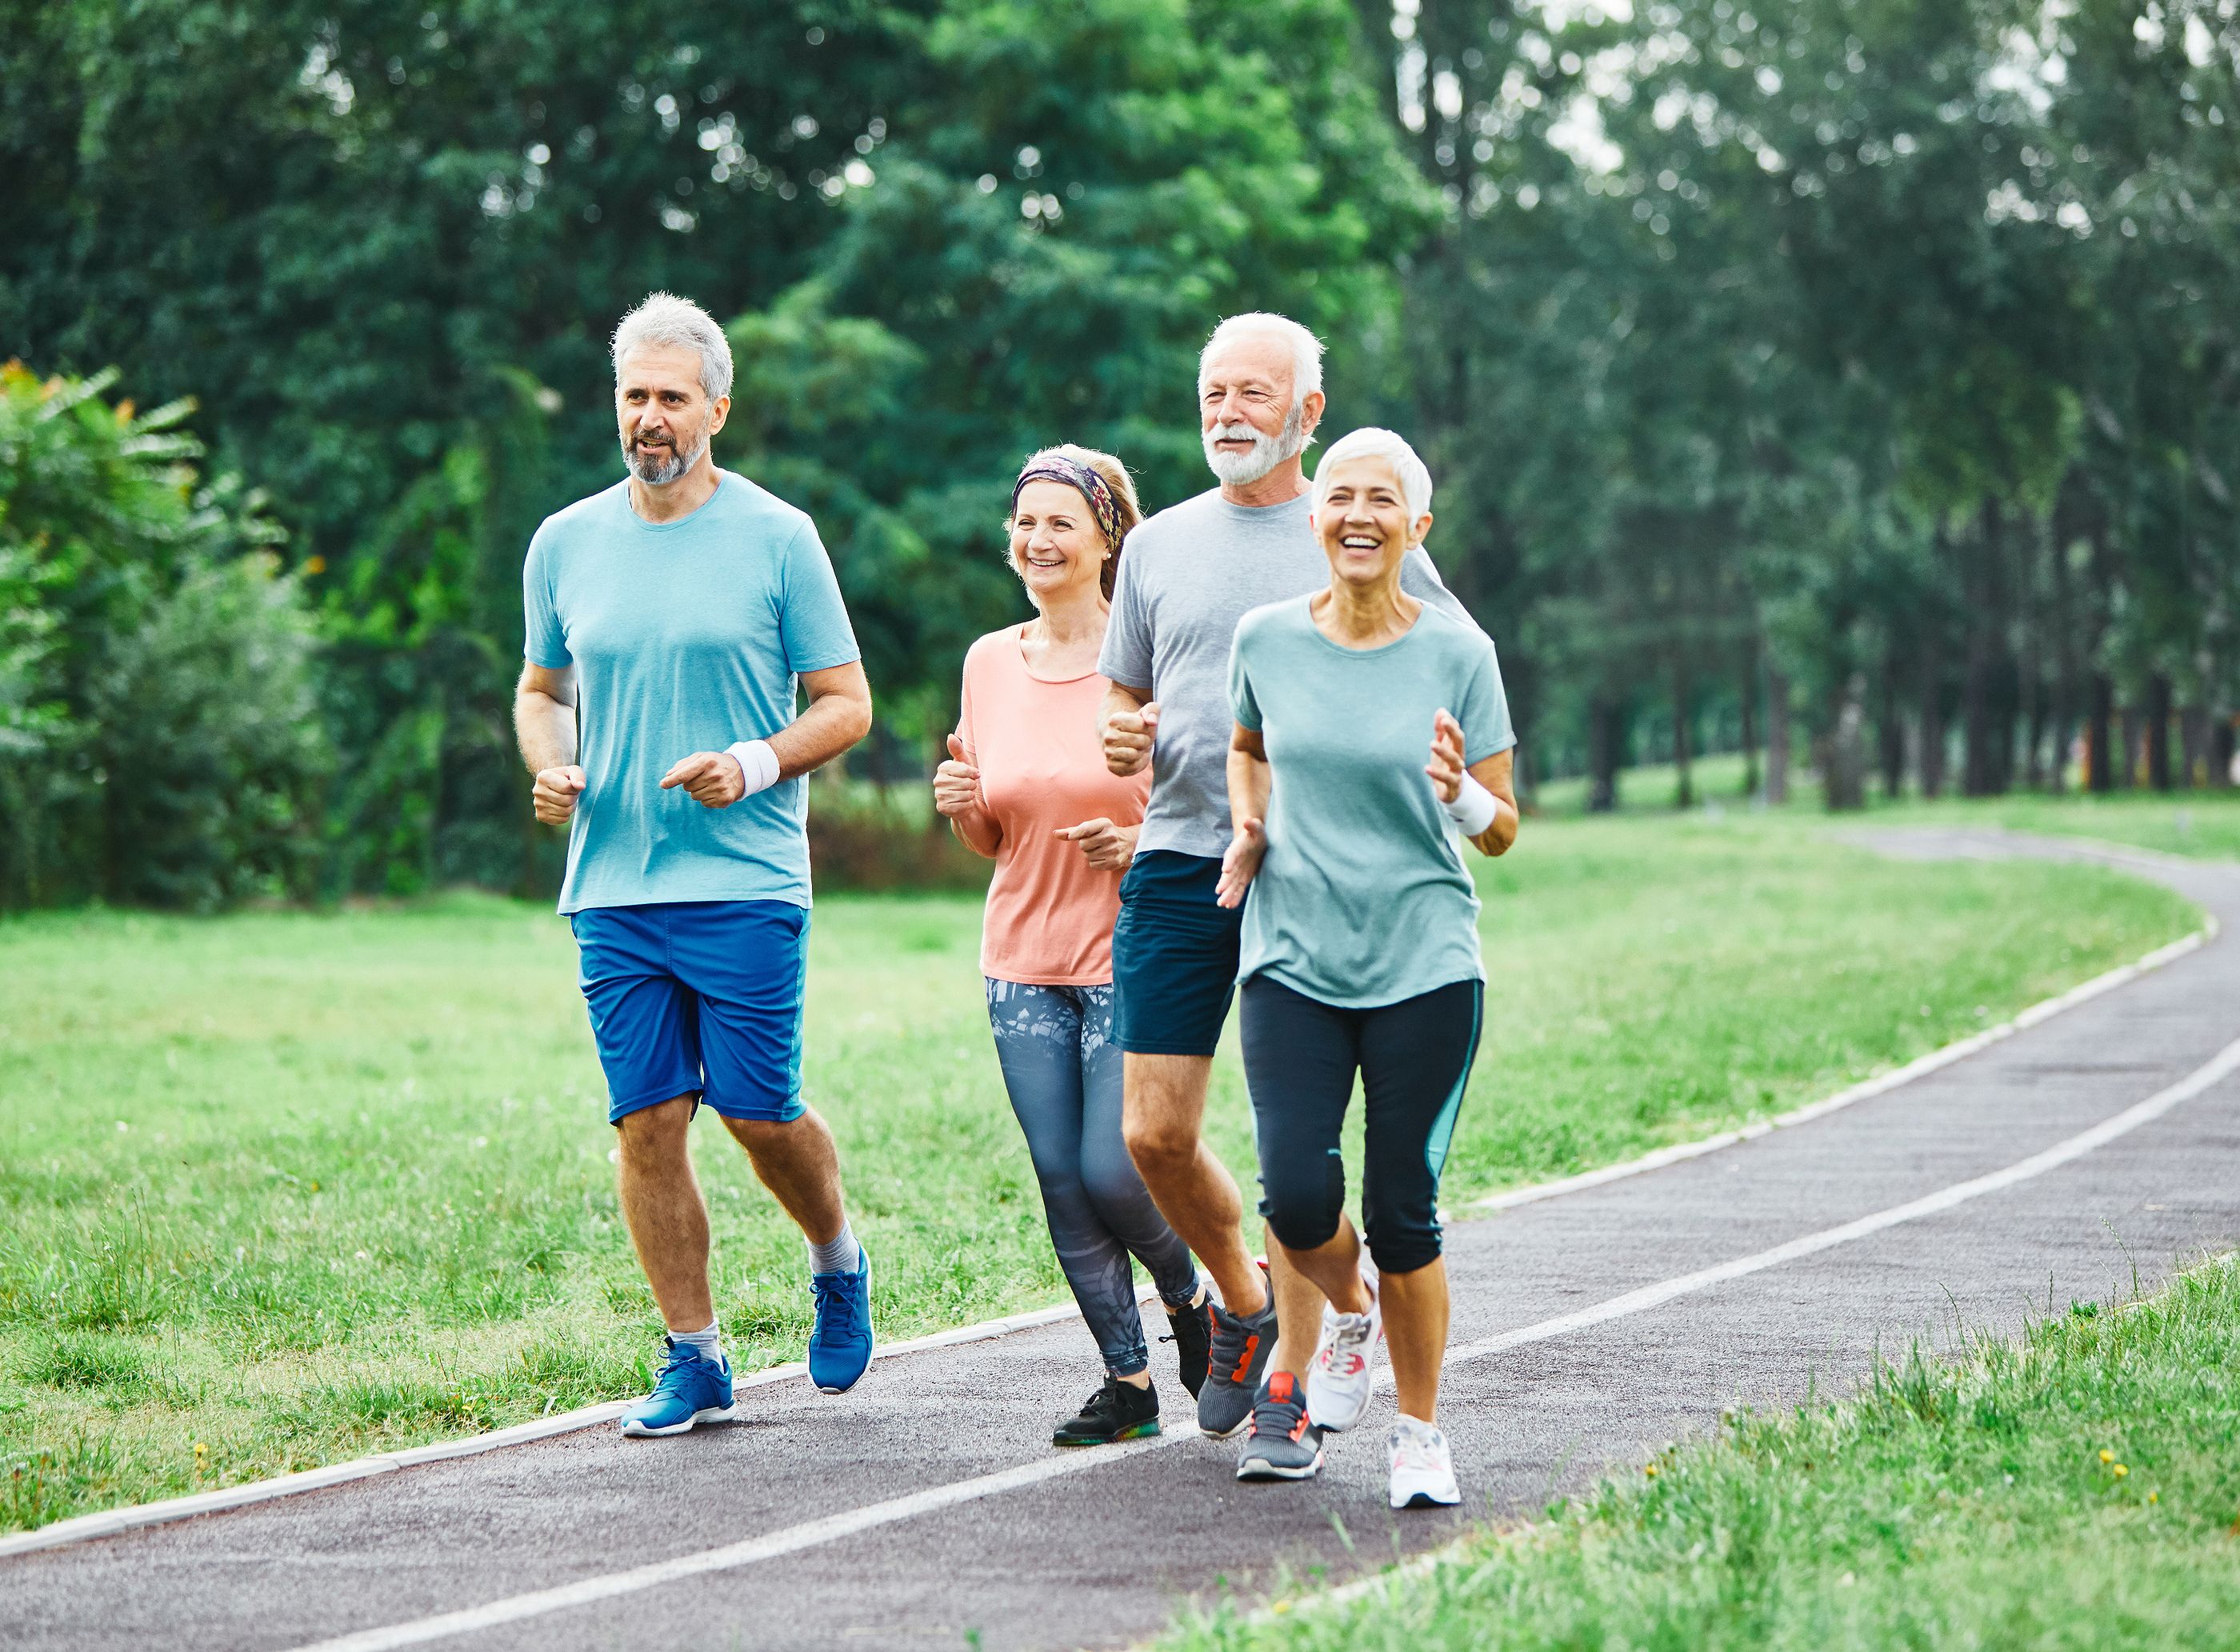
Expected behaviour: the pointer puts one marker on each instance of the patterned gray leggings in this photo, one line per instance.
(1062, 1071)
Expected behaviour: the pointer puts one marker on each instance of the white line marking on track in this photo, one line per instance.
(832, 1528)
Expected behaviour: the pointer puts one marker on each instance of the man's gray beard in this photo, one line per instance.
(1243, 470)
(659, 473)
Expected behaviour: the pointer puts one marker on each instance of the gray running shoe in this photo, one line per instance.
(1239, 1355)
(1283, 1444)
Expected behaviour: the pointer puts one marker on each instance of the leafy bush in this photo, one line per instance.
(159, 740)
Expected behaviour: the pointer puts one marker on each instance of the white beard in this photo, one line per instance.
(1243, 470)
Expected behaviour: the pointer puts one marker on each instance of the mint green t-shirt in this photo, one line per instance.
(1362, 898)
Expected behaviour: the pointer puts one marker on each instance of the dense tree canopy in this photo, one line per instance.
(1860, 366)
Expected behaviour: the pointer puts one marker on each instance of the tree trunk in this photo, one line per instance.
(2220, 753)
(1602, 741)
(1929, 760)
(2034, 737)
(2158, 732)
(2127, 765)
(1684, 792)
(2100, 759)
(1776, 736)
(1890, 727)
(2193, 745)
(1750, 724)
(1846, 767)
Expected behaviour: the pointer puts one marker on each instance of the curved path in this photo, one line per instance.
(1590, 1329)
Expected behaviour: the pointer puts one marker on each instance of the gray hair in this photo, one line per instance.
(1372, 442)
(1306, 348)
(666, 320)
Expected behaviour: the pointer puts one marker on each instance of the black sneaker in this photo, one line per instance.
(1282, 1444)
(1237, 1357)
(1193, 1340)
(1116, 1411)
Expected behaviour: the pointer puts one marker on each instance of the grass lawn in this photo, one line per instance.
(2074, 1491)
(280, 1189)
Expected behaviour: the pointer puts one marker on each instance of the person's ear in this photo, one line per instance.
(1421, 531)
(717, 413)
(1311, 412)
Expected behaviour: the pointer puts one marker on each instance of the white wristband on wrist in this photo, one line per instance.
(757, 764)
(1474, 808)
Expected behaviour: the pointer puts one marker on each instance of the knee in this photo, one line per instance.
(1401, 1247)
(1156, 1143)
(656, 1132)
(1305, 1210)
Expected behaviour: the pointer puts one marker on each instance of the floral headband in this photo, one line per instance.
(1083, 479)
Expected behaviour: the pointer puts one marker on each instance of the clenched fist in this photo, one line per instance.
(1110, 847)
(1128, 736)
(956, 783)
(713, 778)
(555, 793)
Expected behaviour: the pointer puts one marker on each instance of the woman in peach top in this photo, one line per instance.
(1026, 785)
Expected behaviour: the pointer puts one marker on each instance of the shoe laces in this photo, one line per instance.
(840, 1291)
(1107, 1402)
(1273, 1416)
(1419, 1447)
(1230, 1337)
(682, 1357)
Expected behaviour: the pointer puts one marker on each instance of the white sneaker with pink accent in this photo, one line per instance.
(1342, 1376)
(1423, 1468)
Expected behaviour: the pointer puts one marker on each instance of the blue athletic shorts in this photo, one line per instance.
(698, 998)
(1174, 955)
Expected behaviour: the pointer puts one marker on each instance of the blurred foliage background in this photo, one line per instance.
(1851, 384)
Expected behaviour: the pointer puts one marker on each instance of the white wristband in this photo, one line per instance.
(1474, 808)
(757, 764)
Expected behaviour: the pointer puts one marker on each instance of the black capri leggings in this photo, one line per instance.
(1414, 1058)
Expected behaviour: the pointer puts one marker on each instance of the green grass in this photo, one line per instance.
(293, 1187)
(2205, 824)
(2075, 1491)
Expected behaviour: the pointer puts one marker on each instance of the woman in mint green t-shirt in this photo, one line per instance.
(1372, 735)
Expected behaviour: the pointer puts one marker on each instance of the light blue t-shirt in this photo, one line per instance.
(1362, 898)
(685, 637)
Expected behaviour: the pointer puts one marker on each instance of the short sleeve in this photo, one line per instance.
(1241, 701)
(1419, 577)
(1484, 710)
(1126, 656)
(813, 622)
(544, 640)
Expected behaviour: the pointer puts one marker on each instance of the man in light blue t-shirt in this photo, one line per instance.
(669, 621)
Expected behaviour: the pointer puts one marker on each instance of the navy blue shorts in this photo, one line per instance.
(699, 998)
(1174, 955)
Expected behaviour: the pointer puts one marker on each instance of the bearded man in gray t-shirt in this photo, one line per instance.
(1188, 574)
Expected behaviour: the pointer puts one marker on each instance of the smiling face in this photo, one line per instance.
(662, 412)
(1056, 546)
(1250, 414)
(1361, 517)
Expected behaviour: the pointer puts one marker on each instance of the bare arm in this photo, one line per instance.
(837, 715)
(956, 795)
(1496, 774)
(1250, 780)
(545, 725)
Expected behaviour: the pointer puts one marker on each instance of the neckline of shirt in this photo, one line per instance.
(1307, 613)
(723, 480)
(1019, 653)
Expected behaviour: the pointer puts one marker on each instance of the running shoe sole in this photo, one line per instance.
(1136, 1431)
(635, 1431)
(1426, 1500)
(1260, 1469)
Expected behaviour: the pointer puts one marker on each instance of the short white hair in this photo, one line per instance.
(665, 320)
(1372, 442)
(1306, 348)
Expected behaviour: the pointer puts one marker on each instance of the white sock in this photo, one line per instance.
(838, 1255)
(708, 1345)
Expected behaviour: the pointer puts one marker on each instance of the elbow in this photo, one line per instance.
(859, 722)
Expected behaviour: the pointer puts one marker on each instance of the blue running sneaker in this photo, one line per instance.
(840, 1345)
(689, 1390)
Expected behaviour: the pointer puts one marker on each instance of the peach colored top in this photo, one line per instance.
(1050, 913)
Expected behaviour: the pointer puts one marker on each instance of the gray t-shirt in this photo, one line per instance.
(1362, 898)
(1187, 575)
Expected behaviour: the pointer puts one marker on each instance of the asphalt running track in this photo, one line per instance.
(1589, 1330)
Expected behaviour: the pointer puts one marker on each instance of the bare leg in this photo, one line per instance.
(1416, 1331)
(1163, 1118)
(797, 1162)
(1304, 1279)
(667, 1218)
